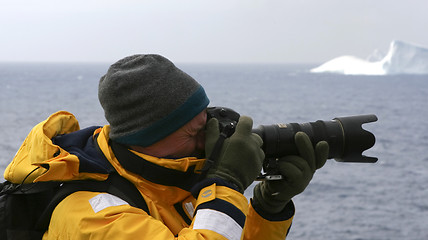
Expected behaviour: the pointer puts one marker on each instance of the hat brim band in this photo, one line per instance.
(195, 104)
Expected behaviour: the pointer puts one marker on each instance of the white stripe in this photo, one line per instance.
(218, 222)
(105, 200)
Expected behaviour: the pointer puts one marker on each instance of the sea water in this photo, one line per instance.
(384, 200)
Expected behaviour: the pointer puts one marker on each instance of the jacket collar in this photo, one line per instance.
(153, 172)
(181, 173)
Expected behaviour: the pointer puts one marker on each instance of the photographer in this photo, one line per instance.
(158, 139)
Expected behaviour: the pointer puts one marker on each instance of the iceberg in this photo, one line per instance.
(402, 58)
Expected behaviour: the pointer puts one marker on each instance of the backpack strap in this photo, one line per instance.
(115, 185)
(124, 189)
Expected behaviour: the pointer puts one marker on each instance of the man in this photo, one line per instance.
(158, 139)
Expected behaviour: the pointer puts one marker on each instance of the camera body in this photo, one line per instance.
(346, 138)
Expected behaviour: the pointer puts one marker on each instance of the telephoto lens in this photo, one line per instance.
(346, 138)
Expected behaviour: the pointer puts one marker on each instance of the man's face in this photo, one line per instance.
(188, 141)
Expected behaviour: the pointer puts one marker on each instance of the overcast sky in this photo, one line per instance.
(220, 31)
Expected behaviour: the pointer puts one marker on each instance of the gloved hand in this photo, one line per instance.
(241, 157)
(297, 172)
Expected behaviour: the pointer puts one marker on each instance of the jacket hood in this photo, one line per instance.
(40, 159)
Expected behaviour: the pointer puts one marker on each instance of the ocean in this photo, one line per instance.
(378, 201)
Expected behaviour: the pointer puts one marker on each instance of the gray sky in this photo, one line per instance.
(241, 31)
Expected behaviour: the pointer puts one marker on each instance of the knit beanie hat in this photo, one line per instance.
(146, 98)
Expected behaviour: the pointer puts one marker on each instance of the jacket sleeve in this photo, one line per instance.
(262, 225)
(220, 214)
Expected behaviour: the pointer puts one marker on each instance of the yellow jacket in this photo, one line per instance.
(216, 212)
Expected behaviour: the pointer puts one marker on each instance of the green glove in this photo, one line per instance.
(297, 172)
(241, 157)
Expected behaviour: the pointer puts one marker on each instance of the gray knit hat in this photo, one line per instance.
(146, 98)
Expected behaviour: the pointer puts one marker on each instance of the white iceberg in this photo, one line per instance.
(402, 58)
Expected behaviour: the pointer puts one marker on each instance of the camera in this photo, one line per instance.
(346, 138)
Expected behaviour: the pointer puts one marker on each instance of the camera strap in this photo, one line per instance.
(226, 132)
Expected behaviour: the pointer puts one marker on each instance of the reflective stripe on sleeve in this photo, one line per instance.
(218, 222)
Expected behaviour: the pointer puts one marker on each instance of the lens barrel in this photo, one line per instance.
(346, 137)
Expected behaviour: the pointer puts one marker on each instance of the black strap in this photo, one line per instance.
(153, 172)
(212, 160)
(179, 208)
(27, 188)
(121, 187)
(115, 185)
